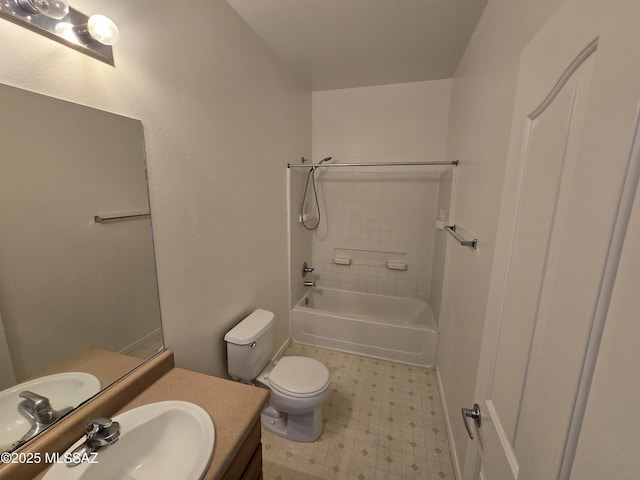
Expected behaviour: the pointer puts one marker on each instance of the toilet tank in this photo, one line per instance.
(250, 345)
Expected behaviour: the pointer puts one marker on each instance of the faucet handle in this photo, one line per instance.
(306, 269)
(97, 425)
(33, 400)
(106, 429)
(101, 431)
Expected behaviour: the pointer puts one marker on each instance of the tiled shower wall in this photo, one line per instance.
(380, 209)
(379, 215)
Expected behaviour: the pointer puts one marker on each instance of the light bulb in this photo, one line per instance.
(103, 29)
(56, 9)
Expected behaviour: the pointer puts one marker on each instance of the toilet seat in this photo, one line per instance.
(299, 377)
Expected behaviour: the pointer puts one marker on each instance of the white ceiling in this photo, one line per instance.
(352, 43)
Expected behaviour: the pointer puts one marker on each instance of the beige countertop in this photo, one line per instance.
(233, 407)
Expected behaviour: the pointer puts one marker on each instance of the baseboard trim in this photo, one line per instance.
(281, 350)
(447, 422)
(131, 347)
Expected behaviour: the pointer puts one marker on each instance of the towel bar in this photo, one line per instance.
(467, 243)
(99, 219)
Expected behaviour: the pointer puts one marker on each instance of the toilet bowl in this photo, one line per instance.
(298, 388)
(298, 385)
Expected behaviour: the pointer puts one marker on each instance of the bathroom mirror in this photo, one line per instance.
(75, 294)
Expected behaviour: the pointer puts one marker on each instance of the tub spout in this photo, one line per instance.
(308, 283)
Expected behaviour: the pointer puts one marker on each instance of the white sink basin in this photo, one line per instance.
(172, 440)
(63, 390)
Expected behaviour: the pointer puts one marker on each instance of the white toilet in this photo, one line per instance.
(298, 385)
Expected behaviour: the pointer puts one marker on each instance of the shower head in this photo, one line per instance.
(311, 164)
(314, 165)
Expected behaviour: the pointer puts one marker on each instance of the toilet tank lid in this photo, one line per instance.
(249, 329)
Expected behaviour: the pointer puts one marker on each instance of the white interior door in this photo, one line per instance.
(557, 250)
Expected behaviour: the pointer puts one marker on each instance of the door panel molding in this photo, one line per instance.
(583, 208)
(565, 77)
(510, 454)
(547, 165)
(625, 206)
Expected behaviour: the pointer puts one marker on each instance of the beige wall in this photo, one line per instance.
(404, 122)
(379, 211)
(479, 128)
(222, 117)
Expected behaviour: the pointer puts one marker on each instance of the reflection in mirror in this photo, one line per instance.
(76, 295)
(36, 411)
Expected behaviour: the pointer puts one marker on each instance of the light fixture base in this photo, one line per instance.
(55, 29)
(26, 6)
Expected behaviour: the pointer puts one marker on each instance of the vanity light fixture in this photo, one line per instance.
(56, 9)
(55, 19)
(103, 29)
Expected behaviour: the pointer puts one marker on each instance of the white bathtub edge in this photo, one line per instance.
(364, 334)
(364, 354)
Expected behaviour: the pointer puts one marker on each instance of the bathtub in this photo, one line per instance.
(391, 328)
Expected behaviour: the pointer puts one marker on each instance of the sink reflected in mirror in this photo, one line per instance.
(56, 394)
(171, 439)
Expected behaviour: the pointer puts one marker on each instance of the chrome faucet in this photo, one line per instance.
(100, 433)
(38, 411)
(307, 269)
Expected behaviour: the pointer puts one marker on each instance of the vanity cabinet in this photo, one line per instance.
(234, 408)
(247, 465)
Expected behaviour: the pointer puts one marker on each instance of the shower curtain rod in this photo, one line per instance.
(388, 164)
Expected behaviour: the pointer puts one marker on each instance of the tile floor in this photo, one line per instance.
(382, 420)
